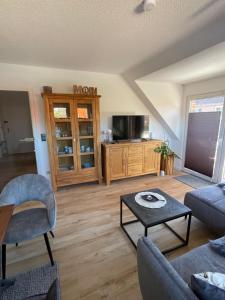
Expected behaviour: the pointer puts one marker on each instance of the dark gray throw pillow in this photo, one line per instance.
(218, 245)
(222, 186)
(205, 290)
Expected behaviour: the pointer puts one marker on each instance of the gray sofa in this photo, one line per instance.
(163, 280)
(208, 205)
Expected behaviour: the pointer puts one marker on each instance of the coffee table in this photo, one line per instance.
(150, 217)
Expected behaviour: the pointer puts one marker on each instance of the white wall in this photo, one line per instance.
(205, 86)
(117, 97)
(167, 98)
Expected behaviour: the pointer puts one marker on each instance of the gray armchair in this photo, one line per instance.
(29, 223)
(53, 293)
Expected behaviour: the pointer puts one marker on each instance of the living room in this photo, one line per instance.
(126, 102)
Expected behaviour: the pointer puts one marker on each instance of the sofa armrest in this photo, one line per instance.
(158, 279)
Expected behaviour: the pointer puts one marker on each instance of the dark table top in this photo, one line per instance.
(153, 216)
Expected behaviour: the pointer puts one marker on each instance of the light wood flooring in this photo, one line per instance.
(96, 259)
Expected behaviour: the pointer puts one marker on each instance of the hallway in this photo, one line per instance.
(16, 164)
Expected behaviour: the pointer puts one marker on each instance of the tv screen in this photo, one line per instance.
(130, 127)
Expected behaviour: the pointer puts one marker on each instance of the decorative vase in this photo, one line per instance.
(167, 165)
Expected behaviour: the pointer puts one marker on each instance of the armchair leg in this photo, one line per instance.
(48, 248)
(52, 234)
(3, 261)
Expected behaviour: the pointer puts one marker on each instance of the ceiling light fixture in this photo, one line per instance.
(149, 4)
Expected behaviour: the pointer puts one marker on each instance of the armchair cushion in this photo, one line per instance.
(26, 225)
(53, 293)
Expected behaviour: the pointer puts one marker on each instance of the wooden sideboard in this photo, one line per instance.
(127, 159)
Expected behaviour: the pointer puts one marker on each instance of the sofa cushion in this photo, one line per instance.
(208, 285)
(211, 195)
(208, 205)
(218, 245)
(198, 260)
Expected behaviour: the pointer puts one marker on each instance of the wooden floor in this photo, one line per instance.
(96, 259)
(16, 164)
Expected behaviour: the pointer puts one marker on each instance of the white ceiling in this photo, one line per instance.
(96, 35)
(206, 64)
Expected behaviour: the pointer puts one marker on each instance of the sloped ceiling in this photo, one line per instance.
(96, 35)
(108, 36)
(203, 65)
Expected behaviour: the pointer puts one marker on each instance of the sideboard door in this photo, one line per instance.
(151, 159)
(118, 162)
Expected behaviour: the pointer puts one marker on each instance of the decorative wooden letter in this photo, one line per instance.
(88, 91)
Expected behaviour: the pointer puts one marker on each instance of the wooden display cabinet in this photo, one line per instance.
(73, 136)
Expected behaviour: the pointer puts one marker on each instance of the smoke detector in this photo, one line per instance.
(145, 5)
(148, 4)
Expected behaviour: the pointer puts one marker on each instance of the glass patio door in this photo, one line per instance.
(205, 132)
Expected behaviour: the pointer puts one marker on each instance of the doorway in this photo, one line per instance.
(17, 154)
(204, 136)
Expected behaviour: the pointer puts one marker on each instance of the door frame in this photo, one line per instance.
(220, 159)
(34, 120)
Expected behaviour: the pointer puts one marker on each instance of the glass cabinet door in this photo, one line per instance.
(86, 134)
(63, 135)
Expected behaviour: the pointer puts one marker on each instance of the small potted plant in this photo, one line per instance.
(167, 157)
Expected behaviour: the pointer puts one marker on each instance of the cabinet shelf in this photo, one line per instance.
(64, 138)
(58, 120)
(65, 155)
(86, 137)
(86, 153)
(85, 120)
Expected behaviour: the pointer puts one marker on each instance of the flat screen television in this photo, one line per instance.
(130, 127)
